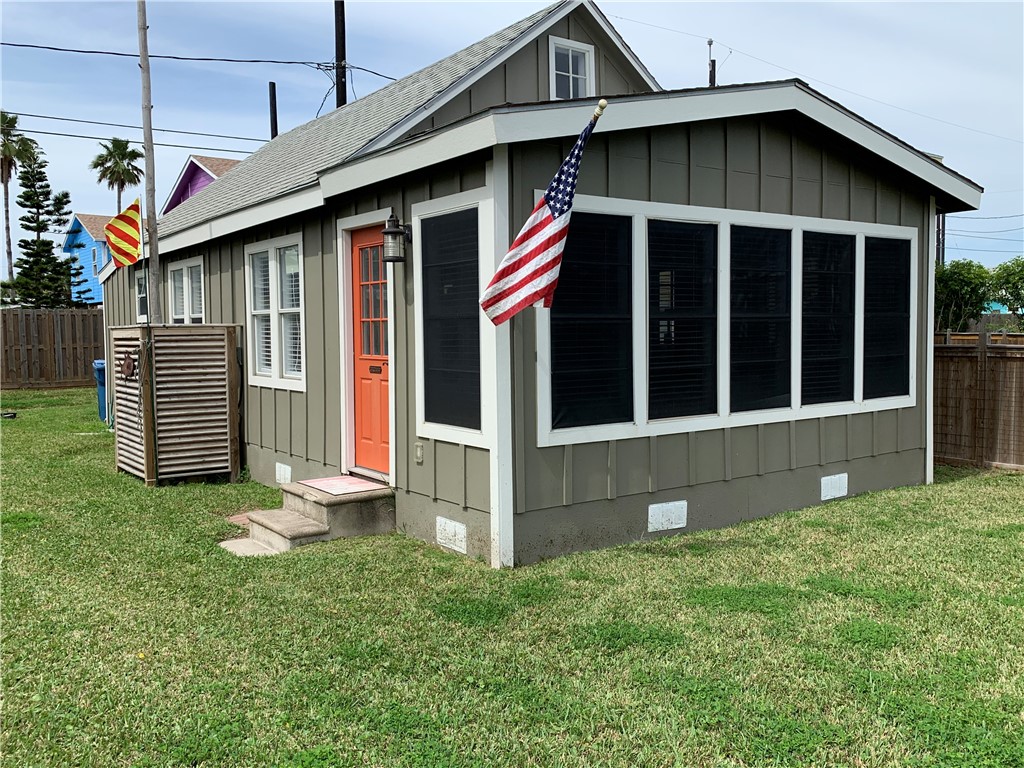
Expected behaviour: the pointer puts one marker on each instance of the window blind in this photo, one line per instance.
(826, 374)
(760, 326)
(681, 334)
(591, 324)
(886, 317)
(451, 319)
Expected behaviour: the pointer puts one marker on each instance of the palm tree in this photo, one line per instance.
(116, 166)
(16, 149)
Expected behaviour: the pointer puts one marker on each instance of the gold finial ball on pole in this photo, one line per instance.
(601, 106)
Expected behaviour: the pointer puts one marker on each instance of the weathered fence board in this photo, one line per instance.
(50, 347)
(979, 400)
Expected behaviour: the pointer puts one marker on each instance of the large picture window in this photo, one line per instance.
(681, 334)
(826, 374)
(760, 282)
(451, 327)
(591, 324)
(274, 290)
(886, 317)
(734, 318)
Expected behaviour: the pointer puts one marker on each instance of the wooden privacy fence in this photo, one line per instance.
(50, 347)
(979, 399)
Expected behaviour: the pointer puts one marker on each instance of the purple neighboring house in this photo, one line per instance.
(198, 172)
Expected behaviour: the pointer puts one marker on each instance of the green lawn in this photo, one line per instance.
(882, 630)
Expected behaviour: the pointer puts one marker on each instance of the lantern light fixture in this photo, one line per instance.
(395, 237)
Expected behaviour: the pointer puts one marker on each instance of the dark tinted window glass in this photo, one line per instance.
(681, 332)
(451, 325)
(886, 317)
(591, 325)
(760, 324)
(827, 332)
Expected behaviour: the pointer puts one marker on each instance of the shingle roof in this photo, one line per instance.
(290, 162)
(94, 224)
(218, 166)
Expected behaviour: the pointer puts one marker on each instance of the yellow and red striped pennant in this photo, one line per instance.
(124, 235)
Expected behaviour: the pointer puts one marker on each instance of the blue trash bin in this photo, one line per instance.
(99, 371)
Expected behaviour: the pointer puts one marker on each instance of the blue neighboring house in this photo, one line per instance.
(85, 240)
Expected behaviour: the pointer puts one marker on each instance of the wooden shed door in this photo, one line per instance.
(370, 334)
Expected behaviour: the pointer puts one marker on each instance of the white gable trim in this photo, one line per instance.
(181, 175)
(566, 119)
(500, 57)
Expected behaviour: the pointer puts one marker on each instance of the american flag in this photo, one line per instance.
(529, 272)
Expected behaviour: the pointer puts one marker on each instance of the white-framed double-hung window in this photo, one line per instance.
(572, 69)
(185, 291)
(276, 344)
(141, 293)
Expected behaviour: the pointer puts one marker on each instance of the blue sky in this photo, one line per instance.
(945, 77)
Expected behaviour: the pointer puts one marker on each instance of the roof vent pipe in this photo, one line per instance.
(273, 109)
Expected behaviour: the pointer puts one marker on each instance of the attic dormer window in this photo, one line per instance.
(572, 69)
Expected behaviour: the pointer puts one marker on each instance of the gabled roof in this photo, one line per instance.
(291, 161)
(215, 166)
(212, 167)
(92, 225)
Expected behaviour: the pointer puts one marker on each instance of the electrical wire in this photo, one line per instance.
(817, 80)
(136, 127)
(985, 218)
(322, 65)
(979, 231)
(133, 141)
(984, 237)
(950, 247)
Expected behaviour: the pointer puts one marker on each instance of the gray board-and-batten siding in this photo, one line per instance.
(305, 430)
(584, 496)
(593, 494)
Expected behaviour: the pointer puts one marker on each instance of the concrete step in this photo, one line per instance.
(247, 548)
(283, 529)
(358, 513)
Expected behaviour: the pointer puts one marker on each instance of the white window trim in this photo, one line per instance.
(641, 427)
(95, 262)
(481, 200)
(138, 275)
(572, 45)
(277, 380)
(183, 266)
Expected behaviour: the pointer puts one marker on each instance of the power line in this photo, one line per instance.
(321, 65)
(157, 56)
(830, 85)
(136, 127)
(978, 231)
(983, 237)
(976, 250)
(986, 218)
(132, 141)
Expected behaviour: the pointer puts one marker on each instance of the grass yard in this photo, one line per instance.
(882, 630)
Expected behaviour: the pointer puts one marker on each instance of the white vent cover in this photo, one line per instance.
(834, 486)
(283, 473)
(451, 534)
(666, 516)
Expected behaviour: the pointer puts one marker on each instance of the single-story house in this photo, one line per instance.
(741, 324)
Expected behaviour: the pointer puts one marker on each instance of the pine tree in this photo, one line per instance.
(43, 280)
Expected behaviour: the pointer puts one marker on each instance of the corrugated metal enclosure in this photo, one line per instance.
(176, 401)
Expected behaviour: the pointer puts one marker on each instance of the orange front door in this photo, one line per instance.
(370, 343)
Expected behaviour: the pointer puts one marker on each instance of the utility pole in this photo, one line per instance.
(340, 71)
(712, 75)
(155, 314)
(273, 109)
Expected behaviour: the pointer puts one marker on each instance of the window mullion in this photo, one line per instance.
(724, 318)
(796, 314)
(858, 322)
(276, 364)
(641, 312)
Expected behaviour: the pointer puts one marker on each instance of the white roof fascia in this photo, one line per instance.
(295, 202)
(71, 227)
(181, 175)
(107, 270)
(884, 146)
(470, 78)
(553, 121)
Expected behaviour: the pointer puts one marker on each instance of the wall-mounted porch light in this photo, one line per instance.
(395, 237)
